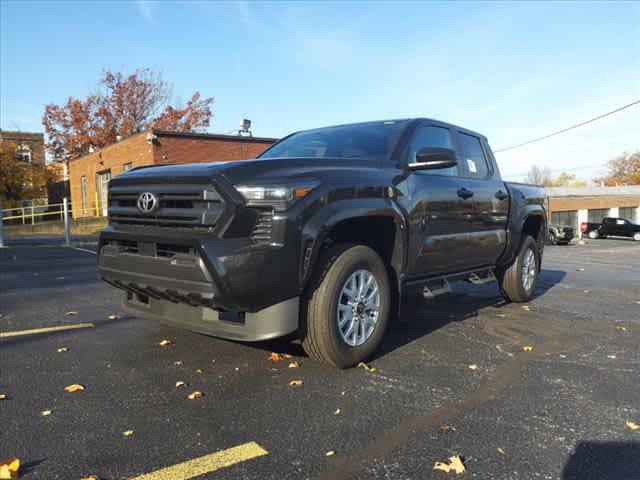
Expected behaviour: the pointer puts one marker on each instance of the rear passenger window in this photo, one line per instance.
(473, 156)
(431, 136)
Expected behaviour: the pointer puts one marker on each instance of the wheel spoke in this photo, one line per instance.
(359, 292)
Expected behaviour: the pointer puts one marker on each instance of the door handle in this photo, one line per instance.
(465, 193)
(500, 195)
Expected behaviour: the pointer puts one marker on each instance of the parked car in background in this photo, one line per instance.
(560, 234)
(618, 227)
(323, 235)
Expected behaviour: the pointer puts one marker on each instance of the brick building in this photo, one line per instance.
(29, 145)
(572, 206)
(90, 174)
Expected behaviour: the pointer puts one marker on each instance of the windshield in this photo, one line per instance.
(373, 140)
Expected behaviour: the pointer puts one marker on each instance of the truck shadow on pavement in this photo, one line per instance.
(603, 461)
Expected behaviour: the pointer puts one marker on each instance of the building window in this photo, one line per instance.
(568, 218)
(127, 166)
(23, 154)
(84, 196)
(596, 215)
(628, 213)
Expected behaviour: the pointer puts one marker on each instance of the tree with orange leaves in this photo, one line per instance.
(623, 170)
(122, 106)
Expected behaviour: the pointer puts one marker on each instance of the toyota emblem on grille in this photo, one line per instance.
(147, 202)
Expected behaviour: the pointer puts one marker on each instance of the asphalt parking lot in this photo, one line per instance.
(557, 411)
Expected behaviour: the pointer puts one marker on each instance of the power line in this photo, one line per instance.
(568, 128)
(573, 169)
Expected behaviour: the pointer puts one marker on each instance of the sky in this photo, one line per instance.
(512, 71)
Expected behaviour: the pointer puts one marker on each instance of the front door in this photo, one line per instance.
(439, 212)
(102, 182)
(490, 200)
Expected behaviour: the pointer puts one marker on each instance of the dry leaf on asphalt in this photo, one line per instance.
(9, 469)
(501, 450)
(199, 370)
(367, 367)
(337, 412)
(91, 477)
(580, 269)
(76, 387)
(632, 425)
(178, 363)
(194, 395)
(113, 316)
(527, 348)
(330, 453)
(619, 327)
(63, 349)
(562, 355)
(500, 315)
(294, 365)
(473, 366)
(127, 433)
(3, 396)
(180, 383)
(447, 429)
(296, 383)
(526, 307)
(165, 342)
(454, 465)
(611, 357)
(46, 413)
(275, 357)
(71, 313)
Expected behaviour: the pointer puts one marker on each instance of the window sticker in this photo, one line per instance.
(472, 166)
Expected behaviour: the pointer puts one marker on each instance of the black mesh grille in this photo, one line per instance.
(261, 232)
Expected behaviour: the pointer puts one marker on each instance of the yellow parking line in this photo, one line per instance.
(206, 464)
(35, 331)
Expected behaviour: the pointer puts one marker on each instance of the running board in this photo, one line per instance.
(430, 293)
(440, 285)
(478, 280)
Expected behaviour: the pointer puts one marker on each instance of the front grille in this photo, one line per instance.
(163, 250)
(179, 206)
(261, 231)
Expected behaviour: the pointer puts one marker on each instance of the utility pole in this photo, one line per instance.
(1, 229)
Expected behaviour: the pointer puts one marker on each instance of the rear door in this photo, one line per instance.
(490, 198)
(439, 217)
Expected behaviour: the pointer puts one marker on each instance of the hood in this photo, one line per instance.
(242, 171)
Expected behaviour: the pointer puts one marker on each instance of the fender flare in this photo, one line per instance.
(514, 233)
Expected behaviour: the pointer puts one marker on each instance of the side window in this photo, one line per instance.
(473, 156)
(431, 136)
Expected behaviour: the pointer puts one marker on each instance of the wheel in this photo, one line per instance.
(636, 237)
(518, 281)
(552, 238)
(346, 311)
(593, 234)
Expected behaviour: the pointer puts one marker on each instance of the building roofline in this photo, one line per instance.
(212, 136)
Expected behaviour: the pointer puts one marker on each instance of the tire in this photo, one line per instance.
(636, 237)
(341, 268)
(593, 234)
(511, 280)
(552, 238)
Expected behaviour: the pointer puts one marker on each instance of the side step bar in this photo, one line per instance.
(440, 285)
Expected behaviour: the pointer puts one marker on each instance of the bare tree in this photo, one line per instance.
(539, 176)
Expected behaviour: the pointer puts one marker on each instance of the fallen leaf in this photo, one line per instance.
(337, 412)
(91, 477)
(127, 433)
(198, 370)
(367, 367)
(294, 365)
(237, 369)
(71, 313)
(76, 387)
(447, 429)
(46, 413)
(9, 468)
(165, 342)
(562, 355)
(178, 363)
(330, 453)
(296, 383)
(527, 348)
(638, 302)
(274, 369)
(473, 366)
(619, 327)
(180, 383)
(632, 425)
(580, 269)
(3, 396)
(611, 357)
(343, 393)
(194, 395)
(63, 349)
(586, 291)
(454, 465)
(501, 450)
(286, 355)
(526, 307)
(275, 357)
(113, 316)
(501, 315)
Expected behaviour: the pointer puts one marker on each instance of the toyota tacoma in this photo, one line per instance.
(323, 236)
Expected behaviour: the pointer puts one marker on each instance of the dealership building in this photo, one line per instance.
(89, 175)
(572, 206)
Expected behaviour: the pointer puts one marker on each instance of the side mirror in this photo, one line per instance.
(432, 158)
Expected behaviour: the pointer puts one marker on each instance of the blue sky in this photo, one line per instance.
(512, 71)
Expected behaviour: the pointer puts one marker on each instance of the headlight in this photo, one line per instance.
(276, 195)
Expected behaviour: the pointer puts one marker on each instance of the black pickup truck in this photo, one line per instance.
(610, 226)
(323, 236)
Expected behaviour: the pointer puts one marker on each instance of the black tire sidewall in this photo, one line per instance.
(356, 258)
(529, 243)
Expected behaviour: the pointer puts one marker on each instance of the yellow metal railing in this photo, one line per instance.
(34, 213)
